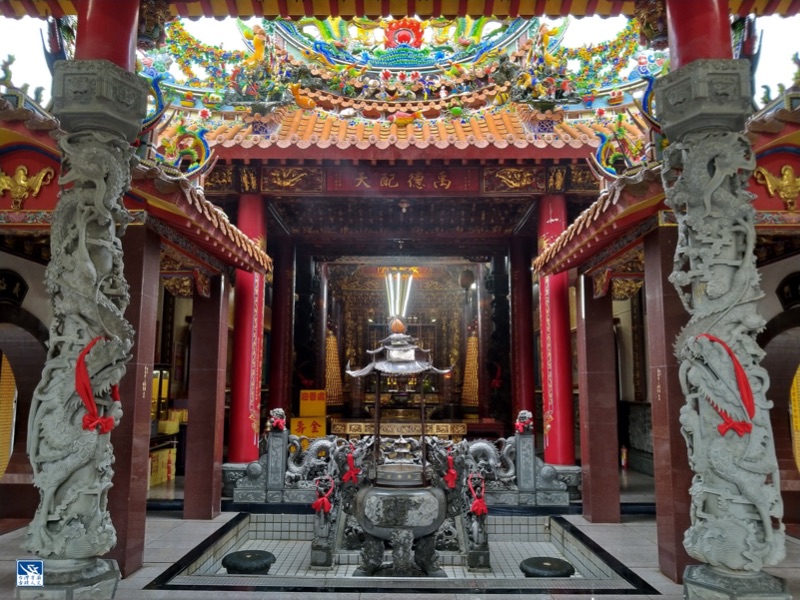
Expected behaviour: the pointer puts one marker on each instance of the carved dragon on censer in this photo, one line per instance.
(69, 427)
(735, 492)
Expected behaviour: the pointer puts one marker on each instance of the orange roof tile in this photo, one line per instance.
(498, 127)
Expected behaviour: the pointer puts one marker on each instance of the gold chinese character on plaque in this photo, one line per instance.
(361, 180)
(388, 180)
(416, 180)
(442, 181)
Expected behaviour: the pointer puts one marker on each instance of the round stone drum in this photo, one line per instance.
(248, 562)
(546, 566)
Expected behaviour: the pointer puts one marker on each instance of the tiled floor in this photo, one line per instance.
(169, 537)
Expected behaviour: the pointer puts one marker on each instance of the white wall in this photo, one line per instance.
(771, 276)
(622, 311)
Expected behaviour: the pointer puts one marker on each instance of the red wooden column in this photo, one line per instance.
(522, 380)
(703, 31)
(107, 30)
(280, 360)
(558, 419)
(673, 477)
(209, 350)
(597, 382)
(127, 500)
(248, 342)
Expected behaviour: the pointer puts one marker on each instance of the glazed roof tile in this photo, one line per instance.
(496, 127)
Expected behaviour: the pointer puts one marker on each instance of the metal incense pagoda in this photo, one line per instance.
(400, 356)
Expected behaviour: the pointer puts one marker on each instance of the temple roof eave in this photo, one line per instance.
(197, 218)
(398, 153)
(501, 133)
(626, 204)
(196, 9)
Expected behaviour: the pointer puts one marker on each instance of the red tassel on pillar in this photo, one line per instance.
(450, 476)
(352, 470)
(478, 507)
(83, 385)
(323, 503)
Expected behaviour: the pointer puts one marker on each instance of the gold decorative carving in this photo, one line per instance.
(600, 282)
(287, 178)
(629, 262)
(176, 263)
(153, 14)
(787, 187)
(248, 179)
(652, 17)
(21, 186)
(581, 179)
(517, 179)
(202, 283)
(556, 179)
(623, 288)
(182, 287)
(292, 179)
(453, 431)
(220, 179)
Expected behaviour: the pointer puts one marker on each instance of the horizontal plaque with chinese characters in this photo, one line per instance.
(428, 181)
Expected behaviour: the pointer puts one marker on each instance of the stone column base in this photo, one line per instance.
(479, 561)
(321, 555)
(701, 582)
(75, 580)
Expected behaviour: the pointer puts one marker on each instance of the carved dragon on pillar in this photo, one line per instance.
(72, 455)
(736, 504)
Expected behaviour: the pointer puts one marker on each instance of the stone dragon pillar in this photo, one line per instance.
(76, 404)
(736, 506)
